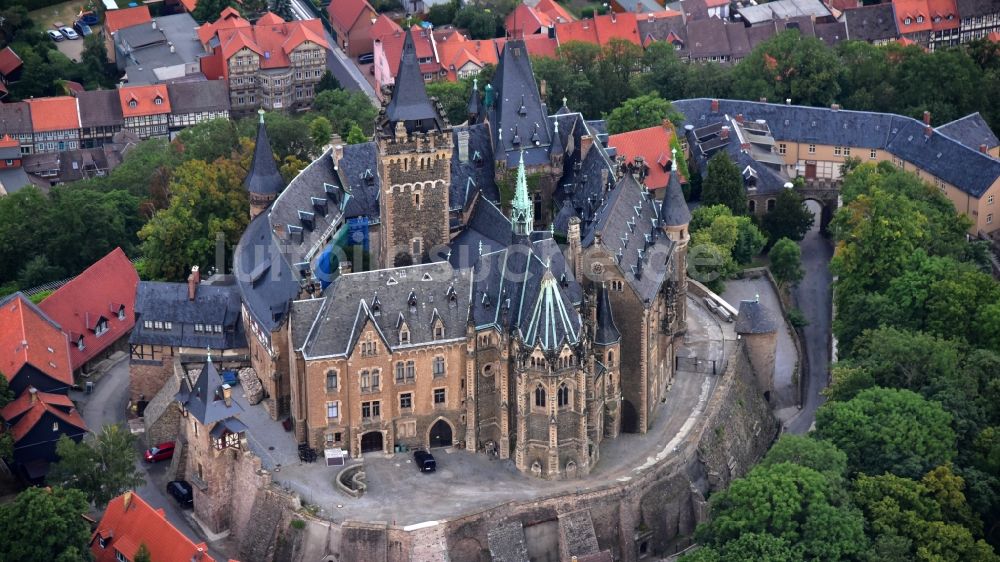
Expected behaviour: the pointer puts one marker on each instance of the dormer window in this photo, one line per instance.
(158, 100)
(438, 331)
(80, 345)
(121, 313)
(404, 336)
(101, 327)
(907, 21)
(920, 19)
(133, 104)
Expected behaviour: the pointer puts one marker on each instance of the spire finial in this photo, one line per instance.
(475, 84)
(557, 125)
(260, 113)
(480, 247)
(209, 351)
(564, 101)
(756, 297)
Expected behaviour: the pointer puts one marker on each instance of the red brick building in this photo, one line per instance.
(351, 21)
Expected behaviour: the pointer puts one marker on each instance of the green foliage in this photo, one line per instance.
(888, 430)
(6, 394)
(283, 8)
(582, 71)
(797, 319)
(142, 555)
(45, 524)
(786, 262)
(719, 243)
(345, 109)
(750, 547)
(206, 141)
(443, 14)
(454, 97)
(481, 23)
(822, 456)
(790, 218)
(355, 135)
(327, 82)
(787, 66)
(298, 524)
(101, 468)
(320, 131)
(642, 112)
(724, 184)
(209, 10)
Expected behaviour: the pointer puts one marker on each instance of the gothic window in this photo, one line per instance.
(399, 371)
(416, 200)
(376, 376)
(563, 395)
(438, 367)
(365, 380)
(411, 371)
(611, 358)
(404, 336)
(540, 396)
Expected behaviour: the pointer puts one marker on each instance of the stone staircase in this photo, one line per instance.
(430, 545)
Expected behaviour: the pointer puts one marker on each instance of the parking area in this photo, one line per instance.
(466, 481)
(62, 14)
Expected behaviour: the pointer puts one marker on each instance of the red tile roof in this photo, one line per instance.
(272, 38)
(58, 113)
(994, 36)
(845, 4)
(9, 142)
(912, 10)
(940, 11)
(228, 19)
(600, 30)
(525, 20)
(393, 46)
(653, 144)
(541, 45)
(459, 51)
(129, 522)
(384, 25)
(344, 14)
(100, 291)
(32, 412)
(27, 336)
(190, 5)
(9, 61)
(126, 17)
(138, 101)
(554, 11)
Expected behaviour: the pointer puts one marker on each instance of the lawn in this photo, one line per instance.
(64, 13)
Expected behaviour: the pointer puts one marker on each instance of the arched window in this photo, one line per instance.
(399, 371)
(540, 396)
(563, 395)
(753, 205)
(611, 358)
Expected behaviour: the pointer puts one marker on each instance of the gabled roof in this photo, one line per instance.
(100, 108)
(653, 145)
(204, 401)
(263, 177)
(198, 97)
(168, 302)
(600, 30)
(126, 17)
(454, 55)
(139, 101)
(607, 332)
(129, 521)
(907, 12)
(58, 113)
(27, 336)
(384, 25)
(943, 14)
(409, 101)
(755, 318)
(972, 131)
(9, 61)
(272, 38)
(554, 11)
(346, 14)
(102, 290)
(541, 45)
(528, 20)
(392, 46)
(871, 23)
(31, 407)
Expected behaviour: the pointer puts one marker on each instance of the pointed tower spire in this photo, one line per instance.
(523, 211)
(410, 104)
(607, 332)
(263, 180)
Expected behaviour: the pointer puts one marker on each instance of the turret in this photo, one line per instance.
(475, 107)
(522, 213)
(410, 107)
(263, 181)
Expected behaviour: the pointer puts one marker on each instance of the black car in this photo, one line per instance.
(367, 58)
(181, 491)
(425, 461)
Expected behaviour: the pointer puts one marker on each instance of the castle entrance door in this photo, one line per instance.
(630, 418)
(440, 435)
(371, 442)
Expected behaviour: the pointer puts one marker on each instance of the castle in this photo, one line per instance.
(533, 334)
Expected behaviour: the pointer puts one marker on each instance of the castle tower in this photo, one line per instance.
(263, 181)
(759, 329)
(415, 148)
(674, 218)
(522, 211)
(606, 420)
(475, 106)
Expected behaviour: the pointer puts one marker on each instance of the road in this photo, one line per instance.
(813, 296)
(107, 406)
(342, 68)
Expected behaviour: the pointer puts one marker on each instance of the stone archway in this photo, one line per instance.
(630, 418)
(440, 434)
(372, 442)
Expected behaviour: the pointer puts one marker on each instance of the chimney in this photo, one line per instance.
(463, 144)
(227, 394)
(614, 16)
(32, 395)
(928, 130)
(724, 132)
(199, 555)
(739, 118)
(927, 118)
(126, 500)
(715, 106)
(586, 141)
(667, 124)
(542, 87)
(338, 155)
(984, 149)
(763, 100)
(193, 281)
(154, 24)
(788, 101)
(835, 107)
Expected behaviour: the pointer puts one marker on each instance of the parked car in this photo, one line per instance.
(724, 314)
(367, 58)
(89, 18)
(231, 378)
(161, 452)
(68, 32)
(82, 28)
(712, 305)
(55, 35)
(181, 491)
(425, 461)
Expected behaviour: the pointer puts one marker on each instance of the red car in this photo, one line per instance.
(161, 452)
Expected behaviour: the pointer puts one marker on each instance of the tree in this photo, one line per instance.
(290, 167)
(97, 70)
(207, 141)
(454, 97)
(888, 430)
(789, 502)
(482, 23)
(39, 270)
(724, 184)
(101, 468)
(822, 456)
(6, 394)
(344, 109)
(284, 9)
(327, 82)
(208, 202)
(639, 113)
(751, 547)
(355, 135)
(789, 66)
(665, 74)
(320, 131)
(750, 241)
(443, 14)
(209, 10)
(790, 218)
(142, 555)
(45, 524)
(786, 262)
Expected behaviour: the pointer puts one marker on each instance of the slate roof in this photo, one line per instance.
(409, 101)
(13, 180)
(831, 33)
(585, 180)
(125, 527)
(204, 400)
(674, 209)
(301, 315)
(476, 173)
(755, 318)
(628, 227)
(26, 337)
(607, 332)
(100, 108)
(972, 131)
(507, 543)
(15, 118)
(358, 171)
(102, 290)
(263, 177)
(553, 322)
(198, 97)
(518, 113)
(974, 8)
(265, 279)
(782, 9)
(168, 302)
(871, 23)
(940, 155)
(416, 296)
(660, 28)
(708, 38)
